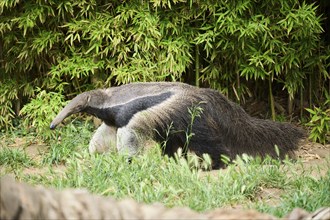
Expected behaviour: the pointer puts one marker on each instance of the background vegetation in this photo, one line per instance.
(274, 51)
(52, 50)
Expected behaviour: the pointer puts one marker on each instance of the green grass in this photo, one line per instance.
(14, 159)
(303, 191)
(154, 178)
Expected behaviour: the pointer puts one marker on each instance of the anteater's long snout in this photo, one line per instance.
(60, 117)
(52, 126)
(76, 105)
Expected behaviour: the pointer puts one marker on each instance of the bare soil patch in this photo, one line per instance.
(271, 196)
(315, 157)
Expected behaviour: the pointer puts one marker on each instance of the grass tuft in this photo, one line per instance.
(14, 158)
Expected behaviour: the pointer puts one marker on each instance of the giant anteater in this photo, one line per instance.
(137, 112)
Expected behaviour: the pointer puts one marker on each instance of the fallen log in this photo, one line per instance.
(22, 201)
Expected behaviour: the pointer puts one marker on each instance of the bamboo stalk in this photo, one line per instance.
(197, 66)
(271, 98)
(301, 102)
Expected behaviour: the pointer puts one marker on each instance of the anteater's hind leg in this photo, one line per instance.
(129, 141)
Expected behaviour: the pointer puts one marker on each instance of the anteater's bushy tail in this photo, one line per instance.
(259, 137)
(240, 133)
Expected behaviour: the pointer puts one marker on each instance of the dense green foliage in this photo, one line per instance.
(242, 48)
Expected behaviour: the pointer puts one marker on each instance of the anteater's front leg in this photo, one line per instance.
(104, 139)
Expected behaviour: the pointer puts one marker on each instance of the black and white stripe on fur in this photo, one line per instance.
(137, 112)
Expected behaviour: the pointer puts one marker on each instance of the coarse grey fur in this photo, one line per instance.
(138, 112)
